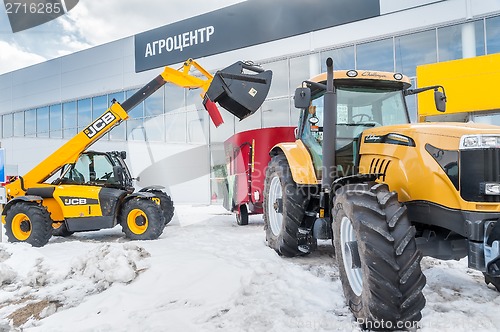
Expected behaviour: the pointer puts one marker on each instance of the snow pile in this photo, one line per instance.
(34, 286)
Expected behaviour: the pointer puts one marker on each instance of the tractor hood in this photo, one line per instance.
(445, 135)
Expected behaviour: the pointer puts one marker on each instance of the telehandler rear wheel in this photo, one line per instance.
(284, 208)
(142, 219)
(167, 205)
(378, 260)
(28, 222)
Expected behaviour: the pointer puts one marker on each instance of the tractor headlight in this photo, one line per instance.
(491, 188)
(479, 142)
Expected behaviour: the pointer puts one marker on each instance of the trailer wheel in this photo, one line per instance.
(242, 215)
(167, 205)
(284, 208)
(495, 281)
(379, 264)
(142, 219)
(28, 222)
(60, 229)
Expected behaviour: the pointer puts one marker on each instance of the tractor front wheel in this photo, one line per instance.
(379, 264)
(28, 222)
(284, 208)
(142, 219)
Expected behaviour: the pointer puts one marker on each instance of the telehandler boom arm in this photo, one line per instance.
(231, 83)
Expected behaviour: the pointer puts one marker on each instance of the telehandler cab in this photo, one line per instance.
(94, 190)
(386, 192)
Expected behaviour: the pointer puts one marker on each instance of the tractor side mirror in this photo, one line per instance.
(302, 98)
(440, 100)
(123, 154)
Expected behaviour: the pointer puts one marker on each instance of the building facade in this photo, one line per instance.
(169, 138)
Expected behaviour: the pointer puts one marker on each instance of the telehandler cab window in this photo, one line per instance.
(90, 169)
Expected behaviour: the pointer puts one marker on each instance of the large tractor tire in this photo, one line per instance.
(378, 260)
(284, 208)
(142, 219)
(28, 222)
(167, 205)
(60, 229)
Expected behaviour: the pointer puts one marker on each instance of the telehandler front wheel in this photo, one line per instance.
(379, 264)
(284, 208)
(142, 219)
(495, 281)
(28, 222)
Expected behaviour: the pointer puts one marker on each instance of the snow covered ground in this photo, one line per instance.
(205, 273)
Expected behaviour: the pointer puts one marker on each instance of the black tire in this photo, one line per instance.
(61, 230)
(28, 222)
(495, 281)
(380, 269)
(167, 205)
(242, 216)
(284, 208)
(142, 219)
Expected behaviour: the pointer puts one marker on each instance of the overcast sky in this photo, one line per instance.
(92, 23)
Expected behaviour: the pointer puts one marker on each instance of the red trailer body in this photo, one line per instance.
(247, 156)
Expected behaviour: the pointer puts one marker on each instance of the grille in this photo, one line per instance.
(476, 167)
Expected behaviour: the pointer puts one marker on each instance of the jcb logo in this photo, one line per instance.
(75, 201)
(72, 201)
(99, 124)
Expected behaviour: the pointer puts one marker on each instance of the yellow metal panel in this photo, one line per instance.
(471, 84)
(71, 198)
(300, 162)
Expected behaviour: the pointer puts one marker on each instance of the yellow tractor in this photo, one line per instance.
(386, 191)
(76, 190)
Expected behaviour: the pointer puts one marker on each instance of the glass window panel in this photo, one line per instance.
(138, 111)
(119, 132)
(135, 130)
(55, 114)
(225, 130)
(19, 124)
(197, 126)
(252, 122)
(99, 106)
(450, 43)
(492, 33)
(153, 105)
(480, 45)
(155, 128)
(218, 173)
(42, 122)
(411, 103)
(303, 68)
(7, 125)
(276, 113)
(193, 100)
(84, 113)
(377, 55)
(69, 119)
(413, 50)
(174, 98)
(279, 83)
(175, 127)
(343, 58)
(30, 123)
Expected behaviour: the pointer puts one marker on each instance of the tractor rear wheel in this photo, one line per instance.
(142, 219)
(284, 208)
(379, 264)
(28, 222)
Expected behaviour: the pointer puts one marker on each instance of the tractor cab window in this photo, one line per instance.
(358, 109)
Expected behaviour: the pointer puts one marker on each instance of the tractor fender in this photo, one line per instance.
(299, 160)
(27, 198)
(140, 194)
